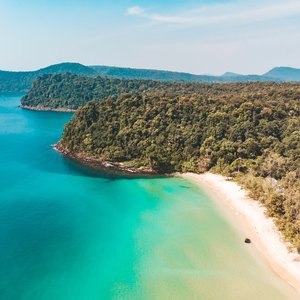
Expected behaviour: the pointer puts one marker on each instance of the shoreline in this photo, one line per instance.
(250, 214)
(42, 108)
(106, 166)
(246, 214)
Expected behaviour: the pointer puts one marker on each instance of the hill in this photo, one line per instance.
(231, 74)
(69, 91)
(130, 73)
(284, 74)
(22, 81)
(175, 76)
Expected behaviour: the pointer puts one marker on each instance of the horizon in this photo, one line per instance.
(162, 70)
(207, 36)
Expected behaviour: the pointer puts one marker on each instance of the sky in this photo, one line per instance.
(201, 37)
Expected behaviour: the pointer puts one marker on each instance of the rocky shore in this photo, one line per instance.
(107, 166)
(42, 108)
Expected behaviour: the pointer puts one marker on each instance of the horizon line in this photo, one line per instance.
(148, 68)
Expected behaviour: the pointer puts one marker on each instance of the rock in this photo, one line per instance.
(247, 241)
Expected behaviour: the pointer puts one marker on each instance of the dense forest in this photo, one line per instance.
(250, 131)
(70, 91)
(11, 82)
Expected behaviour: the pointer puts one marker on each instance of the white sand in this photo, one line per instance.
(256, 225)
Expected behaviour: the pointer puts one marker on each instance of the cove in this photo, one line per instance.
(68, 232)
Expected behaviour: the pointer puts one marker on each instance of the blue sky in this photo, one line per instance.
(204, 36)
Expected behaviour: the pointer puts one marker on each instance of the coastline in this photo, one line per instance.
(107, 166)
(42, 108)
(244, 213)
(250, 215)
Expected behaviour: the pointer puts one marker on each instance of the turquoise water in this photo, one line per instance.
(67, 232)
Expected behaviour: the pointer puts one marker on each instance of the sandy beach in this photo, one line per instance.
(251, 218)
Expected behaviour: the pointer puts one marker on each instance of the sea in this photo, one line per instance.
(69, 232)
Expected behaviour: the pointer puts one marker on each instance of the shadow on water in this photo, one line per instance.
(110, 174)
(184, 187)
(33, 143)
(41, 156)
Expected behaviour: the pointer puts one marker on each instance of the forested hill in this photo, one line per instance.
(22, 81)
(250, 131)
(284, 74)
(69, 91)
(130, 73)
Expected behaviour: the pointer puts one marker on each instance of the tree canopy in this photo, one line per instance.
(70, 91)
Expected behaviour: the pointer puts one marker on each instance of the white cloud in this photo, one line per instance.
(135, 10)
(237, 12)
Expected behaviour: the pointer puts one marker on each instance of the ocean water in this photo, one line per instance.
(67, 232)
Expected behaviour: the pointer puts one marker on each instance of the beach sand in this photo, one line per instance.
(250, 218)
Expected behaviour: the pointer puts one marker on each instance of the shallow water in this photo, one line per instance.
(67, 232)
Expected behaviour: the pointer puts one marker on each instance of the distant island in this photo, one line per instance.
(249, 131)
(70, 91)
(22, 81)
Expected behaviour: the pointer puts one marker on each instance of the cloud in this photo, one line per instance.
(135, 10)
(232, 12)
